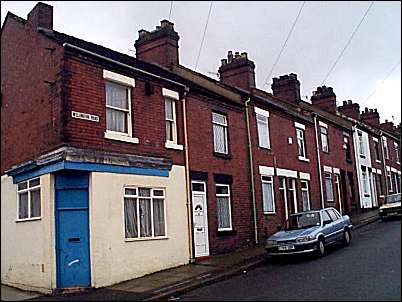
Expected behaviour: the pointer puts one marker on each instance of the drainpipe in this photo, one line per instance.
(250, 151)
(187, 169)
(385, 168)
(319, 160)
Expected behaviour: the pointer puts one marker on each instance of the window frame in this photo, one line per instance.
(174, 121)
(225, 126)
(390, 184)
(346, 144)
(228, 195)
(328, 177)
(138, 197)
(362, 150)
(365, 181)
(264, 122)
(266, 181)
(385, 146)
(396, 153)
(300, 138)
(28, 190)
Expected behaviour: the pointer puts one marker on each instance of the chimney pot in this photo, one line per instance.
(344, 103)
(224, 61)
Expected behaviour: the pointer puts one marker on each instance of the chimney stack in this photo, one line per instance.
(350, 109)
(370, 116)
(41, 16)
(160, 46)
(389, 126)
(237, 71)
(324, 98)
(287, 88)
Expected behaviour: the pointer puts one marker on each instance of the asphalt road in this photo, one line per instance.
(369, 269)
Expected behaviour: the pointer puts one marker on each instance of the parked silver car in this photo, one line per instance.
(310, 231)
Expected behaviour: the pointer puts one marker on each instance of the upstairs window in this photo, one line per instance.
(300, 143)
(118, 116)
(385, 144)
(346, 146)
(377, 150)
(361, 143)
(396, 153)
(170, 117)
(324, 139)
(29, 200)
(262, 128)
(220, 125)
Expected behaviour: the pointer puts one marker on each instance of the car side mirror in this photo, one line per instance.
(328, 221)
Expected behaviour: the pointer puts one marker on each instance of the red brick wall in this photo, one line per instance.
(202, 159)
(30, 109)
(85, 91)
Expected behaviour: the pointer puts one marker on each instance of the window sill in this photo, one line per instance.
(269, 213)
(28, 219)
(122, 138)
(265, 148)
(398, 163)
(378, 161)
(172, 145)
(381, 196)
(222, 155)
(226, 233)
(145, 239)
(304, 159)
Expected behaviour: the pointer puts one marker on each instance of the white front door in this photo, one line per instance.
(200, 218)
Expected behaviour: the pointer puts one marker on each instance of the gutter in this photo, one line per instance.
(125, 65)
(251, 174)
(318, 160)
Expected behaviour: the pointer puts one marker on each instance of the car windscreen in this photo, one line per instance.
(303, 220)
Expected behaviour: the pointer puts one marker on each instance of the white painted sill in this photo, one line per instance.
(172, 145)
(224, 230)
(123, 138)
(28, 219)
(146, 239)
(269, 213)
(378, 161)
(304, 159)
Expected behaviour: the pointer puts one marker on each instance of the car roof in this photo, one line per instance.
(313, 211)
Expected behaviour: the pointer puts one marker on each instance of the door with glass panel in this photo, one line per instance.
(200, 218)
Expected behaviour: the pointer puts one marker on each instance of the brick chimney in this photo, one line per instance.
(324, 98)
(388, 126)
(287, 88)
(41, 16)
(159, 46)
(350, 109)
(370, 116)
(237, 71)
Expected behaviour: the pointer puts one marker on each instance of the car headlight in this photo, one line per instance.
(305, 238)
(271, 242)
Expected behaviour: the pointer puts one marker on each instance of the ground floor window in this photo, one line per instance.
(329, 188)
(305, 195)
(29, 204)
(223, 207)
(268, 194)
(144, 212)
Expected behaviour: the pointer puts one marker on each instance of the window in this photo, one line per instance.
(324, 139)
(268, 194)
(365, 180)
(377, 150)
(333, 215)
(390, 188)
(346, 146)
(144, 212)
(262, 128)
(328, 187)
(29, 201)
(300, 142)
(170, 117)
(338, 190)
(385, 144)
(220, 133)
(379, 184)
(118, 117)
(305, 195)
(396, 153)
(282, 192)
(361, 143)
(223, 207)
(292, 194)
(325, 216)
(395, 179)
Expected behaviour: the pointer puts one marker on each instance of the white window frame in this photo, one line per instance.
(385, 145)
(396, 153)
(28, 190)
(225, 127)
(390, 184)
(151, 197)
(283, 187)
(262, 120)
(300, 139)
(328, 177)
(362, 150)
(230, 207)
(128, 83)
(173, 120)
(365, 181)
(268, 180)
(305, 190)
(337, 178)
(292, 188)
(324, 138)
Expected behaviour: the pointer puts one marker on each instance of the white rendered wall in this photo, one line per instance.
(112, 258)
(27, 248)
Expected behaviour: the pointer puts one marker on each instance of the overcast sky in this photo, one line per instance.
(260, 29)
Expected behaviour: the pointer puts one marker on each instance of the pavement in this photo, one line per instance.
(168, 284)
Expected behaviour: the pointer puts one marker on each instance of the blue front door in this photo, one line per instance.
(72, 229)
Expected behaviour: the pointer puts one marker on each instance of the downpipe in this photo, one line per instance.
(319, 161)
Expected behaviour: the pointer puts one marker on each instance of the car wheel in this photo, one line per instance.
(346, 237)
(320, 248)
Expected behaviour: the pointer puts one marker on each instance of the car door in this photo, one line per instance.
(337, 224)
(327, 228)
